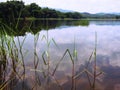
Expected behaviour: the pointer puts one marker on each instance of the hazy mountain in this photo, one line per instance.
(63, 10)
(89, 14)
(100, 15)
(115, 13)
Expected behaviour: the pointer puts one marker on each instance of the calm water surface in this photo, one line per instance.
(81, 38)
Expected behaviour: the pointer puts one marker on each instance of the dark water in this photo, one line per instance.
(53, 41)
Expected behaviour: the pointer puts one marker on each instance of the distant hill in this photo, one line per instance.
(97, 15)
(63, 10)
(101, 15)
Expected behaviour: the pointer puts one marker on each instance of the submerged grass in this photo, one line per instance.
(10, 62)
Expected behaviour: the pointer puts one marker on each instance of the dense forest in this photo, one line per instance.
(14, 9)
(10, 10)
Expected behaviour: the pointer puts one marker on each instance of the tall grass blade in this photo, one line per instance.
(44, 58)
(67, 51)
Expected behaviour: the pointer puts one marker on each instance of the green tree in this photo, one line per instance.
(33, 9)
(10, 10)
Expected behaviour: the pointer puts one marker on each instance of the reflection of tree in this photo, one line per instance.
(37, 25)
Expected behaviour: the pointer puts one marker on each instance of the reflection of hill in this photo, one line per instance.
(37, 25)
(105, 22)
(112, 77)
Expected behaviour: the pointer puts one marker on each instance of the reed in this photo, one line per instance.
(9, 54)
(73, 58)
(46, 57)
(12, 57)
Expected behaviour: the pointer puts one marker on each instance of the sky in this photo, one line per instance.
(91, 6)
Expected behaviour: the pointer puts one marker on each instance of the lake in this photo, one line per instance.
(70, 56)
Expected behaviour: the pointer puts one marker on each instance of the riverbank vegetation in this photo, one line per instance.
(12, 10)
(17, 9)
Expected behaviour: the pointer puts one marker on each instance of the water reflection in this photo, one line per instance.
(73, 37)
(106, 22)
(21, 27)
(107, 54)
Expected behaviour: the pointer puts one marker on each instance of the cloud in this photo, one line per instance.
(84, 5)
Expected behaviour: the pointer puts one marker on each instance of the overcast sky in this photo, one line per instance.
(92, 6)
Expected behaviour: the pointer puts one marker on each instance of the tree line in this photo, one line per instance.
(10, 10)
(17, 9)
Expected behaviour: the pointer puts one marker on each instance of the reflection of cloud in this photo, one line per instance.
(107, 44)
(108, 50)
